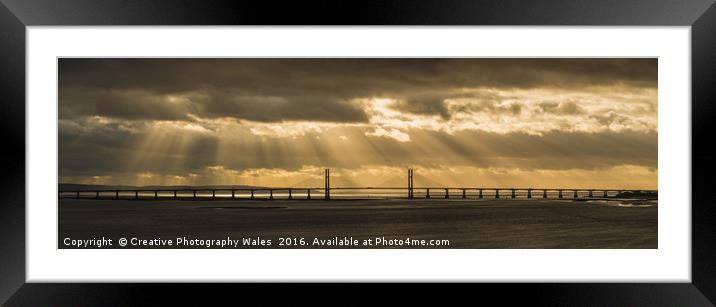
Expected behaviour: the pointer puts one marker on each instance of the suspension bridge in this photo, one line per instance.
(327, 192)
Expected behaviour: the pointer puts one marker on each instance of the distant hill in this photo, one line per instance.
(94, 187)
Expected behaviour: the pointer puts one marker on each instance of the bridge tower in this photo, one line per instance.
(327, 183)
(410, 183)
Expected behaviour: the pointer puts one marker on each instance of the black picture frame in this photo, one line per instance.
(16, 15)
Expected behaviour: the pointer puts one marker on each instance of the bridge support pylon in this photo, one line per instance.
(327, 183)
(410, 183)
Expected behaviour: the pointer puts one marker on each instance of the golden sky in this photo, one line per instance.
(582, 123)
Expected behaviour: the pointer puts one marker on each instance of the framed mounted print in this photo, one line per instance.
(532, 146)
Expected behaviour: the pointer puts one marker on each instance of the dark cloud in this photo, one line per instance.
(489, 106)
(423, 104)
(130, 104)
(562, 108)
(609, 118)
(277, 108)
(313, 89)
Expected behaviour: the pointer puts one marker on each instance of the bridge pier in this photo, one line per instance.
(544, 193)
(136, 194)
(96, 195)
(427, 193)
(308, 194)
(252, 194)
(175, 194)
(463, 194)
(480, 194)
(233, 194)
(513, 193)
(497, 193)
(575, 194)
(605, 194)
(529, 193)
(591, 194)
(289, 194)
(116, 194)
(447, 194)
(270, 194)
(156, 194)
(560, 193)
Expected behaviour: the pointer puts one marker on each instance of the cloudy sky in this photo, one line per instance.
(279, 122)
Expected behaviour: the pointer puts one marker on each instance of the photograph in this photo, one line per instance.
(357, 153)
(552, 153)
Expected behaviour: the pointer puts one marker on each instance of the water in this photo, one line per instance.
(486, 223)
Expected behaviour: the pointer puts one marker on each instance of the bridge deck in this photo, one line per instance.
(350, 192)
